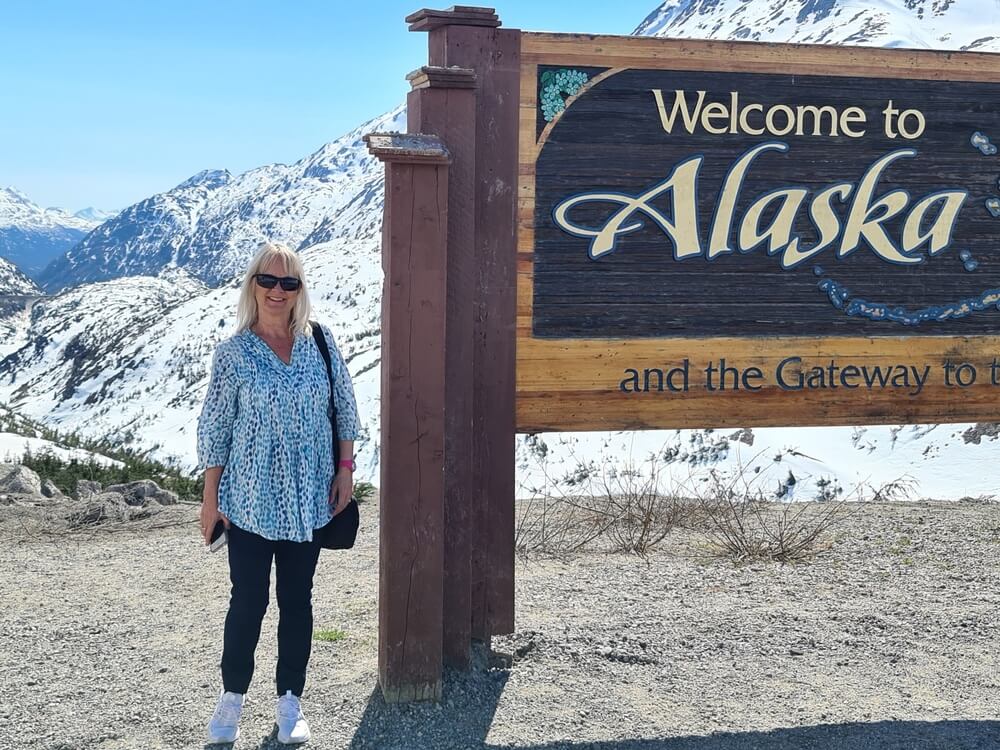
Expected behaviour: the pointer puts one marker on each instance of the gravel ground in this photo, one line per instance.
(890, 639)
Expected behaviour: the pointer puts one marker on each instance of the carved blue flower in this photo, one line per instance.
(557, 87)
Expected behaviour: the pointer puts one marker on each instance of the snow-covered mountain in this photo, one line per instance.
(16, 293)
(129, 357)
(31, 236)
(94, 215)
(14, 282)
(970, 25)
(211, 223)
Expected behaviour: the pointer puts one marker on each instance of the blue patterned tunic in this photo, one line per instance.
(266, 424)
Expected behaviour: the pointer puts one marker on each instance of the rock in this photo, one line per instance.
(19, 479)
(143, 493)
(99, 508)
(977, 432)
(50, 490)
(86, 487)
(744, 436)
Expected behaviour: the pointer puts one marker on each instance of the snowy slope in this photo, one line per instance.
(31, 236)
(128, 359)
(17, 210)
(930, 24)
(14, 282)
(935, 461)
(94, 215)
(211, 223)
(13, 447)
(17, 293)
(19, 435)
(84, 361)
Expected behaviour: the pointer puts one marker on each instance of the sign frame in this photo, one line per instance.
(575, 383)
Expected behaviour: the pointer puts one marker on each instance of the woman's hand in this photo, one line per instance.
(210, 515)
(341, 489)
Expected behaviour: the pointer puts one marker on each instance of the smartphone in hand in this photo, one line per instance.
(219, 537)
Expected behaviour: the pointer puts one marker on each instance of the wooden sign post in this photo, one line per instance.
(411, 538)
(669, 234)
(467, 98)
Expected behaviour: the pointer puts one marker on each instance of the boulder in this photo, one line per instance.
(49, 489)
(15, 478)
(86, 487)
(143, 493)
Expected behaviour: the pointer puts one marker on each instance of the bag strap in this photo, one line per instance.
(324, 351)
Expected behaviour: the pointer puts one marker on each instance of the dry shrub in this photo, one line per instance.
(633, 513)
(615, 509)
(743, 523)
(627, 509)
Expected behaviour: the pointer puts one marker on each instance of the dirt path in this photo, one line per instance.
(889, 640)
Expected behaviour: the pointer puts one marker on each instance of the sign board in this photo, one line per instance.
(717, 233)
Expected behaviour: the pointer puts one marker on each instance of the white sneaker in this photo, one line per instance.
(292, 726)
(224, 725)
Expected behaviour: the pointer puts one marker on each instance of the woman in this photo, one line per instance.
(265, 443)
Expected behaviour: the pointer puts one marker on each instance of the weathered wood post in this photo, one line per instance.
(443, 103)
(414, 245)
(468, 37)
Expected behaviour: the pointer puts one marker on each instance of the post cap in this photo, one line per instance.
(431, 76)
(407, 148)
(426, 19)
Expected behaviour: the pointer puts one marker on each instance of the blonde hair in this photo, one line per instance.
(246, 309)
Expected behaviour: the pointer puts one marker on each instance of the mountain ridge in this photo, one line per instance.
(212, 223)
(83, 361)
(920, 24)
(32, 236)
(14, 282)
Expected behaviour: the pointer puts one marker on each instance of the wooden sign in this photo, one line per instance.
(716, 233)
(705, 234)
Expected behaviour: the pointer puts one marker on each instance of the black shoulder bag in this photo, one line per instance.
(342, 530)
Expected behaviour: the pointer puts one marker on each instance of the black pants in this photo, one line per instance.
(250, 558)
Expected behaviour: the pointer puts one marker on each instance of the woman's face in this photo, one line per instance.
(276, 303)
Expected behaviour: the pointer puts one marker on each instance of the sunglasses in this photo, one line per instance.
(288, 283)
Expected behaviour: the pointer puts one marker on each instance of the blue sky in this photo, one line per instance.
(104, 103)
